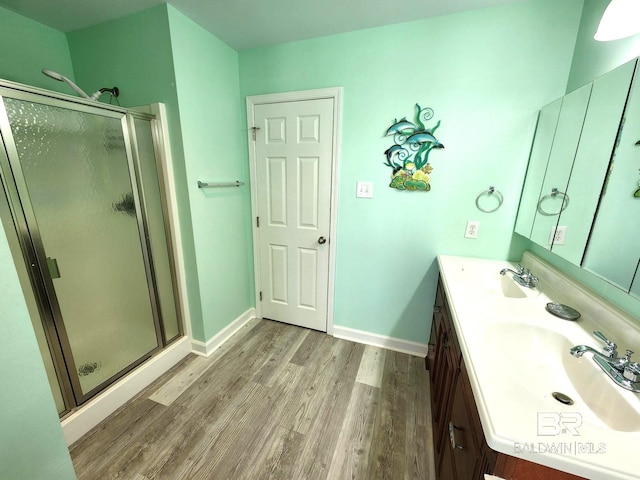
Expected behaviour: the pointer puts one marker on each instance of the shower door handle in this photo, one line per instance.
(54, 271)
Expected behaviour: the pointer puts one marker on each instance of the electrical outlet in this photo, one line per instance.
(472, 229)
(364, 190)
(558, 235)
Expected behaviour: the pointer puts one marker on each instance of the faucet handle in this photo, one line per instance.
(610, 348)
(632, 372)
(520, 268)
(627, 357)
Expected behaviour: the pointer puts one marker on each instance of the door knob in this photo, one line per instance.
(322, 240)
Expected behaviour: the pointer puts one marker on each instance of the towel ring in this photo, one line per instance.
(490, 191)
(554, 192)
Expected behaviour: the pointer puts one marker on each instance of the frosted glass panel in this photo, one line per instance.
(77, 176)
(155, 223)
(36, 322)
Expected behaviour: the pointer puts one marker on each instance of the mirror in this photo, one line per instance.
(552, 199)
(573, 198)
(542, 142)
(588, 173)
(614, 252)
(635, 286)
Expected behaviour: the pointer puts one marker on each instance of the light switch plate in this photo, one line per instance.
(364, 190)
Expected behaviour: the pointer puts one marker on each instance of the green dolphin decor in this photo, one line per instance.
(408, 156)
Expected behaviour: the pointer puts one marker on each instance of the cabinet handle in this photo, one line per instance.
(452, 436)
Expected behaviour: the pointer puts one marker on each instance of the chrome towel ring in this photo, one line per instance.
(554, 192)
(490, 192)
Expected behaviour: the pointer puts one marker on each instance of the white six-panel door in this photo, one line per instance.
(293, 155)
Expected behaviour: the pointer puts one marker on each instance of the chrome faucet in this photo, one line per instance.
(617, 363)
(621, 370)
(522, 276)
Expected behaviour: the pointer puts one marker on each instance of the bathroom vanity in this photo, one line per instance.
(496, 358)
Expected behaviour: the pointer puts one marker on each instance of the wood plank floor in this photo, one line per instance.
(274, 402)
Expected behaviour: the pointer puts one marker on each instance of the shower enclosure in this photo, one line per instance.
(83, 207)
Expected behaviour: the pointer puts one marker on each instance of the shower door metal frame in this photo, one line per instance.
(157, 147)
(32, 249)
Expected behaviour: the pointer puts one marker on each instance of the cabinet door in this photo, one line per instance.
(463, 437)
(447, 469)
(446, 371)
(433, 336)
(444, 374)
(512, 468)
(597, 141)
(565, 144)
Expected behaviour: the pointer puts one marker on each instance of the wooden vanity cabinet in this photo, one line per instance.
(443, 371)
(461, 451)
(465, 445)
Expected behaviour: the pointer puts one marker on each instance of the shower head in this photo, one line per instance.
(52, 74)
(62, 78)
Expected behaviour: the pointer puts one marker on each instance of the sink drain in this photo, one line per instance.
(562, 398)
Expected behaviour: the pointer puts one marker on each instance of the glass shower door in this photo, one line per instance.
(145, 156)
(73, 171)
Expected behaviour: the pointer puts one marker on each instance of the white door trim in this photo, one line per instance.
(335, 94)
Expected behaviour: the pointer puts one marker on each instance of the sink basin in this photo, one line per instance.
(505, 286)
(596, 397)
(604, 398)
(502, 341)
(475, 278)
(511, 289)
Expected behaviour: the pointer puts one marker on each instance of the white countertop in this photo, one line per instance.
(517, 354)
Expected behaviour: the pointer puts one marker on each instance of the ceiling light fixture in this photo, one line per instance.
(621, 19)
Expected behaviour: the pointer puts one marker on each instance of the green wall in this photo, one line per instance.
(592, 59)
(159, 55)
(207, 84)
(26, 47)
(485, 73)
(135, 54)
(31, 442)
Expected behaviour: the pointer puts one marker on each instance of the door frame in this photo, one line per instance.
(335, 94)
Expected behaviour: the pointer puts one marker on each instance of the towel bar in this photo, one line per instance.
(219, 184)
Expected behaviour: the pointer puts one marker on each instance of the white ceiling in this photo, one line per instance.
(246, 24)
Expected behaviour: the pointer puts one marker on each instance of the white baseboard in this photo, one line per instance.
(206, 349)
(390, 343)
(100, 407)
